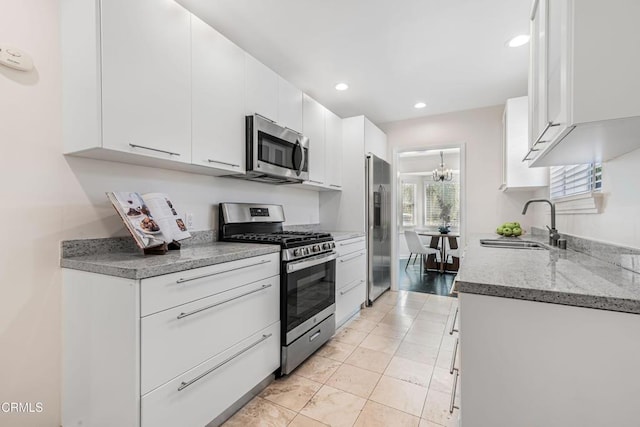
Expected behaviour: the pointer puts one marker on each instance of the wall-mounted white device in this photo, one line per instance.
(15, 58)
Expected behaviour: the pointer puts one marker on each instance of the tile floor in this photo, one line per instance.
(388, 366)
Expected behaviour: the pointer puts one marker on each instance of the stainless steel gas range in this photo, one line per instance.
(307, 275)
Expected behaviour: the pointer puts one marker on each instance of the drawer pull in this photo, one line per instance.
(184, 385)
(183, 315)
(233, 165)
(351, 288)
(314, 336)
(264, 261)
(452, 405)
(352, 257)
(335, 185)
(154, 149)
(453, 324)
(351, 243)
(453, 357)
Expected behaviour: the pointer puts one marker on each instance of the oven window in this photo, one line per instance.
(309, 291)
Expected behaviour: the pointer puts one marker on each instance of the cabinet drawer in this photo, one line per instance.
(351, 245)
(349, 298)
(351, 267)
(170, 290)
(201, 394)
(177, 339)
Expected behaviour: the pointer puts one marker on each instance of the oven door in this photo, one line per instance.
(277, 151)
(308, 294)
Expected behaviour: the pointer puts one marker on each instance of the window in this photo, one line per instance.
(442, 203)
(408, 204)
(575, 179)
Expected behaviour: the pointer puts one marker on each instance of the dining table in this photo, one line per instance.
(439, 241)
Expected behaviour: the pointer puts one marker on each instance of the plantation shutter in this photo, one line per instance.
(575, 179)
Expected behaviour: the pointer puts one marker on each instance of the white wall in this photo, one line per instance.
(481, 131)
(47, 198)
(619, 223)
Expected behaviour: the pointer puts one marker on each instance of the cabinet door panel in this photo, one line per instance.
(217, 100)
(146, 78)
(313, 114)
(261, 89)
(289, 105)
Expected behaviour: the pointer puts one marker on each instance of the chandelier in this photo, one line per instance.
(442, 174)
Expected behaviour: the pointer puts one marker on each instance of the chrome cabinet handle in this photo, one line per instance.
(452, 405)
(346, 291)
(154, 149)
(453, 324)
(335, 185)
(191, 313)
(186, 384)
(353, 257)
(539, 140)
(181, 280)
(351, 243)
(453, 358)
(233, 165)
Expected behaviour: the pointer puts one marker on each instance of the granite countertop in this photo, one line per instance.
(135, 265)
(344, 235)
(555, 276)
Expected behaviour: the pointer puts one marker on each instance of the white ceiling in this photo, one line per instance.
(450, 54)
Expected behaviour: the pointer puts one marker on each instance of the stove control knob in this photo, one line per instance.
(333, 245)
(316, 248)
(326, 246)
(296, 252)
(305, 251)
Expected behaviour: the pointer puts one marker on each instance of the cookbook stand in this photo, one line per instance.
(162, 249)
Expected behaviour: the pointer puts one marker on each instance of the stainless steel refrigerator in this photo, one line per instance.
(378, 190)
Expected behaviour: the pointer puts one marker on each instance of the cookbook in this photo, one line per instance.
(151, 218)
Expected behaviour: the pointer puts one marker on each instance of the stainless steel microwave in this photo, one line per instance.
(275, 154)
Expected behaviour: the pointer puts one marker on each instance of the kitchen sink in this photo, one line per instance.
(512, 244)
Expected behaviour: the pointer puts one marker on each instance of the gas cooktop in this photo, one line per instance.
(286, 239)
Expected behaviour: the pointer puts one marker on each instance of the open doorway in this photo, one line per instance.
(430, 217)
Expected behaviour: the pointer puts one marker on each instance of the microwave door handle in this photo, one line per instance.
(302, 158)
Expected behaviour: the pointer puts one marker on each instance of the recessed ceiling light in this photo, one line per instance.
(517, 41)
(419, 105)
(342, 86)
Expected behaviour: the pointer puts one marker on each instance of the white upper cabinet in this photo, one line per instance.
(515, 173)
(218, 123)
(313, 127)
(583, 81)
(289, 105)
(261, 89)
(375, 141)
(333, 150)
(146, 78)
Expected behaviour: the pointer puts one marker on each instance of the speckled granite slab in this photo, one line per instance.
(622, 256)
(120, 257)
(555, 276)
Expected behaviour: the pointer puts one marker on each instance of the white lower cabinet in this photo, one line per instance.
(527, 363)
(171, 350)
(211, 387)
(351, 278)
(171, 341)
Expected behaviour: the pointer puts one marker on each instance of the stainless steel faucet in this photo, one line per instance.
(553, 233)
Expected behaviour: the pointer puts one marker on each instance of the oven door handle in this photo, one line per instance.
(310, 262)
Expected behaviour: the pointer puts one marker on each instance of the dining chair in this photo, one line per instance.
(416, 247)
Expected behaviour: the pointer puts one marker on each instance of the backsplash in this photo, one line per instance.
(302, 227)
(622, 256)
